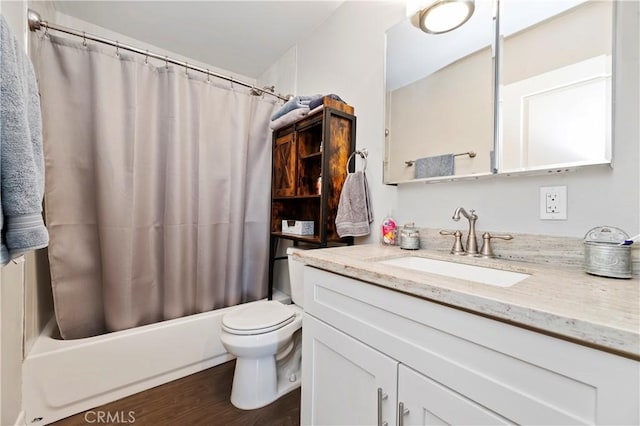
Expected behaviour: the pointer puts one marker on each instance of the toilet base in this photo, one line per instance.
(260, 381)
(255, 383)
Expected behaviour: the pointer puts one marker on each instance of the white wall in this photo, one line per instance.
(79, 24)
(282, 74)
(345, 55)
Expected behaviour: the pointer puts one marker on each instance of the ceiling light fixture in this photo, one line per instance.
(444, 15)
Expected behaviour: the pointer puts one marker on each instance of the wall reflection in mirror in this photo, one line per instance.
(553, 92)
(555, 84)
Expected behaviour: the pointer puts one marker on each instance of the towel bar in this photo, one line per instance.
(471, 154)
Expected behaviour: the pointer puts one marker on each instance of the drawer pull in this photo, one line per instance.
(381, 397)
(401, 413)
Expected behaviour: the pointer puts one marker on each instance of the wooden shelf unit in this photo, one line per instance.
(316, 145)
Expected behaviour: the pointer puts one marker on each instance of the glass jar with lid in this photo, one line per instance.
(409, 237)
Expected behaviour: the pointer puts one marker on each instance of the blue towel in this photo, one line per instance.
(317, 102)
(21, 156)
(439, 165)
(297, 102)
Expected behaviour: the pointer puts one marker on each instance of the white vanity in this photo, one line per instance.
(384, 344)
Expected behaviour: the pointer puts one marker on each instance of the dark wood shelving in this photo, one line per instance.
(310, 152)
(297, 197)
(315, 239)
(314, 155)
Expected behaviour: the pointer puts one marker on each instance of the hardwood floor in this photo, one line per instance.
(199, 399)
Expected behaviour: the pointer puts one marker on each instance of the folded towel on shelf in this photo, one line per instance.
(289, 118)
(21, 155)
(316, 109)
(316, 102)
(354, 209)
(294, 103)
(438, 165)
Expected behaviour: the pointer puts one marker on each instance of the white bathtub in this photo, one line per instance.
(65, 377)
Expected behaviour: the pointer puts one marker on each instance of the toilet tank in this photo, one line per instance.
(296, 277)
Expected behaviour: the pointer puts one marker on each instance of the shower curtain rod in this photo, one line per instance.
(36, 23)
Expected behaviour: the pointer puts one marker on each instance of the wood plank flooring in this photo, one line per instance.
(199, 399)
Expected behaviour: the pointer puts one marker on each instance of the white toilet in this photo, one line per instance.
(266, 338)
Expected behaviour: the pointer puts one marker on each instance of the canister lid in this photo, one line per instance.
(409, 229)
(606, 235)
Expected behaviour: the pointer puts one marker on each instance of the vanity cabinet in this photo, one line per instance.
(447, 366)
(371, 385)
(344, 376)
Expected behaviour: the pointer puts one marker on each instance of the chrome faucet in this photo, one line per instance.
(472, 242)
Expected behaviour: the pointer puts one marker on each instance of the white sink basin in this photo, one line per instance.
(479, 274)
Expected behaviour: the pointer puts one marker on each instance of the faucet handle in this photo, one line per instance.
(486, 250)
(457, 245)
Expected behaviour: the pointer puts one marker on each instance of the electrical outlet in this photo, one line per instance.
(553, 203)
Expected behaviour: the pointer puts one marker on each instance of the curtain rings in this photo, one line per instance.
(257, 92)
(118, 48)
(232, 86)
(84, 39)
(208, 76)
(146, 57)
(186, 68)
(166, 62)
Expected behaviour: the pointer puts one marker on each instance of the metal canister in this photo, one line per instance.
(604, 255)
(409, 237)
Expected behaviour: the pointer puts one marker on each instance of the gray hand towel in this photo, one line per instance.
(354, 209)
(21, 156)
(438, 165)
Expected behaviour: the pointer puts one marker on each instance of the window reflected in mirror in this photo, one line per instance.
(555, 84)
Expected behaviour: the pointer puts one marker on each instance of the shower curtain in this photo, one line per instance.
(157, 188)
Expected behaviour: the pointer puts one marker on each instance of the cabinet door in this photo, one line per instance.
(341, 377)
(284, 166)
(430, 403)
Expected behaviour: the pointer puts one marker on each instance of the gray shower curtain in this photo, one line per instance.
(157, 188)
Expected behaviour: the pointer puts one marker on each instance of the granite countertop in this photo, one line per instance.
(564, 302)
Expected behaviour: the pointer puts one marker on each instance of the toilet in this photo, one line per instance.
(266, 338)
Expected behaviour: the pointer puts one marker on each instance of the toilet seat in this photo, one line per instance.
(259, 318)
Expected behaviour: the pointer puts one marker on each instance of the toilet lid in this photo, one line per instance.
(257, 318)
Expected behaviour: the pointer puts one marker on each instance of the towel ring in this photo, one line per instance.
(362, 155)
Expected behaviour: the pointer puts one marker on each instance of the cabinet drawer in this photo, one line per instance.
(524, 376)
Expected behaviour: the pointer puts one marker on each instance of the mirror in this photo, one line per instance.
(440, 99)
(555, 84)
(554, 92)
